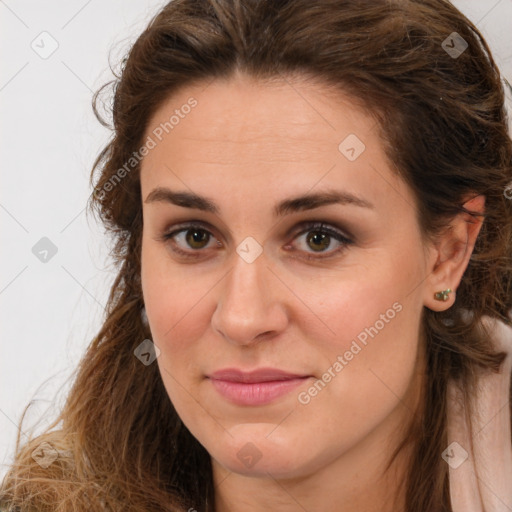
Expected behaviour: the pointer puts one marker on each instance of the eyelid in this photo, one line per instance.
(326, 225)
(167, 233)
(312, 223)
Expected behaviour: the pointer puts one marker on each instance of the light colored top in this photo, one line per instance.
(481, 481)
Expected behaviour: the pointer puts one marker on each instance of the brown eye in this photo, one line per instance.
(320, 239)
(196, 238)
(188, 240)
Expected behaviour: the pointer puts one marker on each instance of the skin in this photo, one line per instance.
(248, 145)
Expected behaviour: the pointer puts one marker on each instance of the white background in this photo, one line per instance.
(49, 138)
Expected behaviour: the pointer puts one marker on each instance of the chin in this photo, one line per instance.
(258, 456)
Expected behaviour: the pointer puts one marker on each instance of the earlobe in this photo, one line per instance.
(451, 255)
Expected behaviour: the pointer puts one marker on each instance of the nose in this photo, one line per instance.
(251, 303)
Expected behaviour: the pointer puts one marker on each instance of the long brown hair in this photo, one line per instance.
(120, 443)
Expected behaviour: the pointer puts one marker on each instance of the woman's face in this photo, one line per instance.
(249, 282)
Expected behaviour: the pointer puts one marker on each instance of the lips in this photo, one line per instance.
(255, 388)
(259, 375)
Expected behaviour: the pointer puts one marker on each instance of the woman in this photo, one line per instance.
(310, 204)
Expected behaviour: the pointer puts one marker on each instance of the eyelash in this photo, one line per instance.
(307, 227)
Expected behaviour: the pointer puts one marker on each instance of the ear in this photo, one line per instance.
(450, 253)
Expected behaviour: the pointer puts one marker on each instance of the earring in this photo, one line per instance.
(442, 295)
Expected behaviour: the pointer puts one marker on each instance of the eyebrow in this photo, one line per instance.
(287, 206)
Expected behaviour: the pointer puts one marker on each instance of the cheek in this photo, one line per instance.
(369, 375)
(173, 310)
(169, 301)
(366, 302)
(179, 310)
(368, 339)
(171, 293)
(177, 317)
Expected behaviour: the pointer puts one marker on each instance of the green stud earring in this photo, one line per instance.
(442, 295)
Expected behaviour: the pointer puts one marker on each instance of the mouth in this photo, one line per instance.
(258, 387)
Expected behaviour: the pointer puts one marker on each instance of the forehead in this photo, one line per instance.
(281, 115)
(287, 134)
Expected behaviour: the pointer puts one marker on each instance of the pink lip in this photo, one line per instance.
(258, 387)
